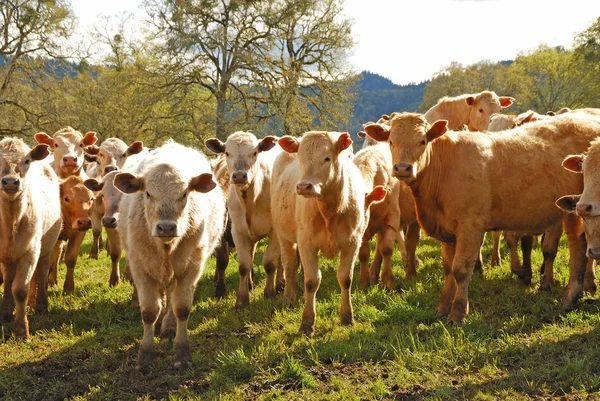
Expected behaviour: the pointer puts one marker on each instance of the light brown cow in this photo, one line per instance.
(250, 164)
(76, 206)
(112, 155)
(30, 223)
(318, 198)
(111, 197)
(171, 220)
(464, 185)
(67, 145)
(387, 219)
(473, 111)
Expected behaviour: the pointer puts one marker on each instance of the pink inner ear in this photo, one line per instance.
(574, 163)
(289, 144)
(506, 101)
(379, 194)
(344, 141)
(42, 137)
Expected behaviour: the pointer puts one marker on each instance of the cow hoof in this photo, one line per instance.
(183, 357)
(307, 329)
(69, 287)
(94, 256)
(410, 275)
(279, 287)
(241, 302)
(524, 276)
(6, 317)
(41, 308)
(568, 306)
(114, 281)
(270, 294)
(21, 329)
(589, 286)
(182, 364)
(545, 286)
(168, 334)
(363, 285)
(145, 359)
(220, 291)
(495, 261)
(346, 319)
(289, 300)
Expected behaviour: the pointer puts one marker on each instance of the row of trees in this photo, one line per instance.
(210, 67)
(204, 67)
(547, 78)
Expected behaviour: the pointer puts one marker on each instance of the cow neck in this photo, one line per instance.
(247, 195)
(63, 176)
(430, 173)
(11, 213)
(334, 199)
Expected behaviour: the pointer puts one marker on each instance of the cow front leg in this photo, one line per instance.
(312, 281)
(573, 226)
(245, 251)
(344, 276)
(467, 250)
(71, 260)
(270, 261)
(289, 260)
(550, 241)
(449, 289)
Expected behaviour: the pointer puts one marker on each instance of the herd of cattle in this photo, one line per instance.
(446, 172)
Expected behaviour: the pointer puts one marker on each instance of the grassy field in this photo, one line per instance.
(516, 344)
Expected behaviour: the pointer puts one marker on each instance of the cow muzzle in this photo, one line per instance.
(239, 177)
(587, 209)
(10, 185)
(165, 230)
(70, 161)
(403, 171)
(83, 224)
(108, 169)
(308, 189)
(593, 253)
(109, 221)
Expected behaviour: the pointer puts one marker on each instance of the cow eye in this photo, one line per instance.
(255, 153)
(481, 111)
(423, 142)
(147, 194)
(55, 145)
(327, 159)
(124, 155)
(184, 195)
(27, 162)
(67, 199)
(226, 154)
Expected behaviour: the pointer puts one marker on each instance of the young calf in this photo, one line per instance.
(171, 220)
(76, 203)
(30, 223)
(67, 145)
(112, 155)
(464, 185)
(318, 204)
(250, 163)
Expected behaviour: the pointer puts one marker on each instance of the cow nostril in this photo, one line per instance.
(108, 169)
(588, 208)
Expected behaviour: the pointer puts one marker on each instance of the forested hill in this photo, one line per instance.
(378, 95)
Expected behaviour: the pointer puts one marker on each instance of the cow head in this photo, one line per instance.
(113, 153)
(165, 195)
(241, 153)
(111, 197)
(76, 203)
(483, 106)
(319, 157)
(15, 160)
(586, 205)
(409, 136)
(67, 145)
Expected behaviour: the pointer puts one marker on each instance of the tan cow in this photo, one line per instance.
(76, 206)
(112, 155)
(67, 145)
(30, 224)
(387, 219)
(250, 164)
(171, 220)
(465, 185)
(473, 111)
(318, 204)
(111, 197)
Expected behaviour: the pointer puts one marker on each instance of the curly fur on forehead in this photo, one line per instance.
(403, 120)
(317, 142)
(165, 179)
(241, 139)
(13, 149)
(67, 130)
(114, 146)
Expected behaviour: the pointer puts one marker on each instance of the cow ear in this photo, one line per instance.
(128, 183)
(135, 148)
(267, 143)
(92, 150)
(90, 158)
(470, 100)
(202, 183)
(438, 129)
(344, 141)
(574, 163)
(379, 132)
(42, 137)
(39, 152)
(506, 101)
(376, 195)
(215, 145)
(568, 203)
(528, 118)
(93, 184)
(385, 117)
(362, 134)
(550, 113)
(89, 138)
(289, 144)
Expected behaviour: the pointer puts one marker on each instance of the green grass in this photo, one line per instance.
(516, 344)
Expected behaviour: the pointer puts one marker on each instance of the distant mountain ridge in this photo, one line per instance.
(378, 95)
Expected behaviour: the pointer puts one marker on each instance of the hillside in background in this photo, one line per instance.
(378, 95)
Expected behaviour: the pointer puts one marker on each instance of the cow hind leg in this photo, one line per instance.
(289, 260)
(413, 232)
(364, 254)
(6, 311)
(573, 226)
(385, 248)
(550, 241)
(589, 279)
(270, 262)
(71, 260)
(496, 235)
(449, 289)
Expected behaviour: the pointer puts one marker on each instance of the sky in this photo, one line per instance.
(408, 41)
